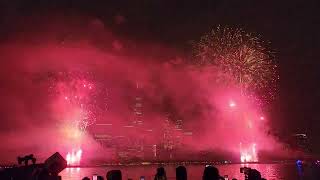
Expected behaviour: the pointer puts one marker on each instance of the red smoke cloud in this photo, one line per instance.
(33, 121)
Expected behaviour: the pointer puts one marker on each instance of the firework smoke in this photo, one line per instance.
(245, 64)
(56, 90)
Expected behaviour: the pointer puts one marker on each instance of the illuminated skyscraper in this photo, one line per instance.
(138, 106)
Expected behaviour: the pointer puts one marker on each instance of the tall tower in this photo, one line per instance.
(136, 121)
(168, 143)
(138, 106)
(178, 132)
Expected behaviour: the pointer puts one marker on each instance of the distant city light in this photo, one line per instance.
(232, 104)
(299, 163)
(103, 124)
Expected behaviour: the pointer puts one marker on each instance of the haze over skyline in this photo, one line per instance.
(149, 40)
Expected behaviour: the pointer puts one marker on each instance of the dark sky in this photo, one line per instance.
(292, 27)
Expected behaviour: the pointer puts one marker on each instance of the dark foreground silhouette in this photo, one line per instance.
(209, 173)
(50, 169)
(181, 173)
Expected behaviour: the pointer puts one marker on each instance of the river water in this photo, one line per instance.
(268, 171)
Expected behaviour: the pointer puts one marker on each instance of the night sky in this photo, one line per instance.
(292, 27)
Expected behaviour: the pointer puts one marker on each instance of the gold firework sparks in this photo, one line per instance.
(242, 59)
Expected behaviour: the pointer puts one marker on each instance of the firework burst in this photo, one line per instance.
(241, 58)
(77, 95)
(77, 92)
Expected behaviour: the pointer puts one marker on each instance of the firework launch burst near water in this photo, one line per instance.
(77, 95)
(245, 63)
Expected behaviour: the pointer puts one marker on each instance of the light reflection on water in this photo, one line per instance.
(268, 171)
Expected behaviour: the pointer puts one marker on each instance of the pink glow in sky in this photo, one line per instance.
(56, 92)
